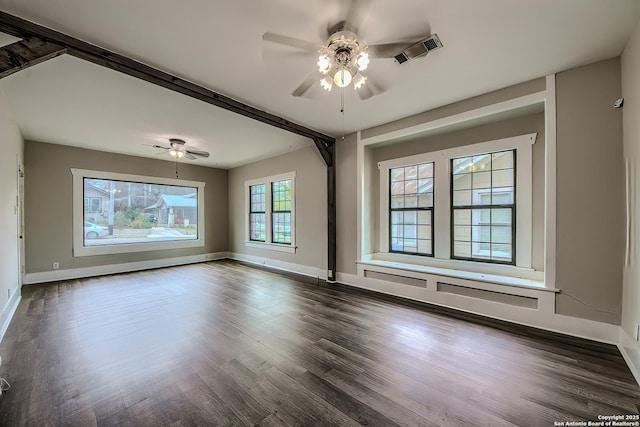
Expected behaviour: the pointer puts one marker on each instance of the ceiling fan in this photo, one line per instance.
(177, 150)
(344, 55)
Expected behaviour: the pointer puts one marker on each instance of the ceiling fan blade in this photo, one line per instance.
(387, 50)
(198, 153)
(356, 13)
(290, 41)
(306, 85)
(160, 146)
(190, 156)
(368, 90)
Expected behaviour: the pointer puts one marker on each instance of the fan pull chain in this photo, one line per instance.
(342, 111)
(177, 169)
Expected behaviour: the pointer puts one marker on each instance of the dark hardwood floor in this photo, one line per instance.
(222, 343)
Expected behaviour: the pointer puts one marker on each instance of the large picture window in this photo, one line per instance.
(271, 212)
(121, 213)
(483, 207)
(411, 209)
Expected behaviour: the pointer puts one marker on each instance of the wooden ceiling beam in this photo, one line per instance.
(26, 53)
(22, 28)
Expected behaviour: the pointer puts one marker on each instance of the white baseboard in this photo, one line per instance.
(630, 350)
(101, 270)
(8, 312)
(304, 270)
(583, 328)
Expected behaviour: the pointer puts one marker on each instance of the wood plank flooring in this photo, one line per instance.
(224, 344)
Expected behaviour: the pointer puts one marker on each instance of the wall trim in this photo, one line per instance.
(541, 318)
(289, 267)
(8, 312)
(466, 116)
(101, 270)
(631, 353)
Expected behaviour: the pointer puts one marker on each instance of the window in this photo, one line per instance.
(483, 207)
(281, 211)
(92, 204)
(271, 200)
(463, 204)
(135, 213)
(411, 209)
(257, 211)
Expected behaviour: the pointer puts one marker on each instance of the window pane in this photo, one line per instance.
(462, 232)
(281, 195)
(462, 165)
(462, 182)
(492, 184)
(462, 198)
(397, 202)
(411, 172)
(503, 178)
(281, 228)
(424, 232)
(462, 217)
(425, 170)
(424, 217)
(397, 188)
(425, 200)
(410, 201)
(123, 212)
(462, 249)
(424, 247)
(411, 187)
(257, 227)
(502, 160)
(482, 180)
(397, 174)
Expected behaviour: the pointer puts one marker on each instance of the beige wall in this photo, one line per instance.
(12, 151)
(346, 205)
(631, 138)
(310, 202)
(590, 192)
(48, 203)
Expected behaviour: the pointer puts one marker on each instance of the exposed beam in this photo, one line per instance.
(26, 53)
(19, 27)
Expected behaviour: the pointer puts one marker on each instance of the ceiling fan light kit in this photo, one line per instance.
(177, 150)
(341, 60)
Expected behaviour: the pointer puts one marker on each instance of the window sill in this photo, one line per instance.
(451, 268)
(272, 247)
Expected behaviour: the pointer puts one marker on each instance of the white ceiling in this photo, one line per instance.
(488, 45)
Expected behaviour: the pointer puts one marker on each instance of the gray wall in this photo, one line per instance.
(590, 192)
(310, 202)
(48, 203)
(346, 205)
(630, 64)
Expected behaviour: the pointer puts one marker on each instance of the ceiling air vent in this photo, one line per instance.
(419, 49)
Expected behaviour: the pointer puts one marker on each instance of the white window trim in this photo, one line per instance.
(268, 244)
(523, 145)
(79, 250)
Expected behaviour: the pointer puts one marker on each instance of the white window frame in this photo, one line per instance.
(80, 250)
(523, 145)
(268, 243)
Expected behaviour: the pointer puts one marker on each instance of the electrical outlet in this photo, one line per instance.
(56, 265)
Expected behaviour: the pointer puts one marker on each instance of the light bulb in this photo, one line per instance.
(326, 83)
(176, 153)
(363, 61)
(342, 78)
(358, 81)
(324, 63)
